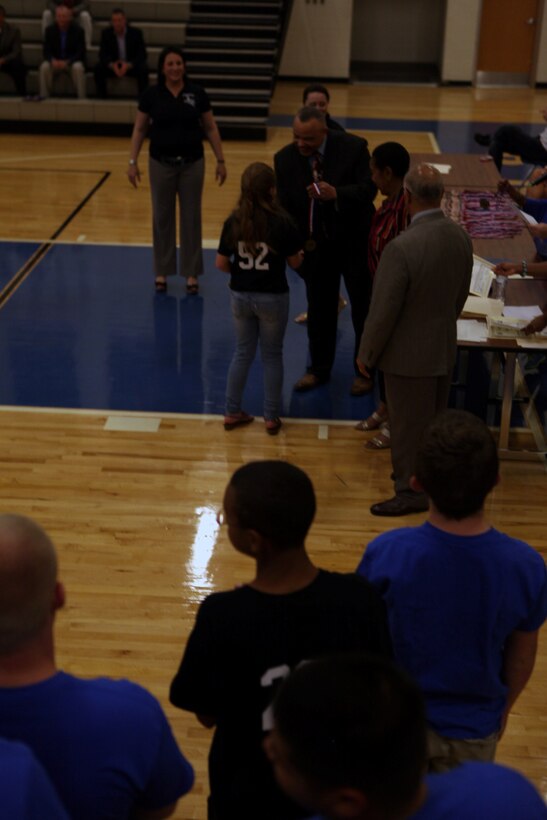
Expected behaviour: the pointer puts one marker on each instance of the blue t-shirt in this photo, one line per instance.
(106, 745)
(452, 602)
(25, 791)
(479, 791)
(538, 209)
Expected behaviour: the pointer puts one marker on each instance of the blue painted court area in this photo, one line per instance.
(86, 330)
(13, 255)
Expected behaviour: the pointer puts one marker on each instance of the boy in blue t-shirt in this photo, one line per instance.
(465, 602)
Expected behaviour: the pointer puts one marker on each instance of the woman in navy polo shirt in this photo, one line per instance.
(175, 113)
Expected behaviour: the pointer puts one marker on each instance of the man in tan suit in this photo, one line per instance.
(419, 290)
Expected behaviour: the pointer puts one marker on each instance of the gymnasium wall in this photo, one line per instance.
(325, 35)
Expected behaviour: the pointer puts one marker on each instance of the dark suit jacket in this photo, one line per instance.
(346, 167)
(75, 44)
(10, 42)
(419, 291)
(135, 50)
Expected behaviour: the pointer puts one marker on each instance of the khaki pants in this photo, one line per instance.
(445, 753)
(76, 71)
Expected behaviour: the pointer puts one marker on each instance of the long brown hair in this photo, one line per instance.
(251, 219)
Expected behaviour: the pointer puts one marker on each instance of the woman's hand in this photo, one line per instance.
(539, 231)
(221, 173)
(507, 269)
(133, 175)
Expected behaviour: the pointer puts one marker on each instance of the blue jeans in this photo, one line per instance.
(257, 316)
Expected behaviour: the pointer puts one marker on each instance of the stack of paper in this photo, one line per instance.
(481, 307)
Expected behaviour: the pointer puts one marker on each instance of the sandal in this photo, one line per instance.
(373, 422)
(238, 419)
(381, 441)
(161, 285)
(273, 426)
(192, 288)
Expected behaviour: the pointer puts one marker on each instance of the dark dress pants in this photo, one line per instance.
(413, 402)
(102, 73)
(323, 269)
(510, 139)
(18, 72)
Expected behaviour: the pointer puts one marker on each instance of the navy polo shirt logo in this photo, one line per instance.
(189, 99)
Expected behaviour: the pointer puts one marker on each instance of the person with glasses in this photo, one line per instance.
(246, 640)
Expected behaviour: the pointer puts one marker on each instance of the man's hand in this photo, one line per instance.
(362, 369)
(321, 191)
(537, 324)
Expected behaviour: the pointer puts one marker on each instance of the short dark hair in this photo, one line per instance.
(315, 88)
(392, 155)
(276, 499)
(457, 463)
(118, 10)
(308, 112)
(3, 11)
(161, 60)
(355, 721)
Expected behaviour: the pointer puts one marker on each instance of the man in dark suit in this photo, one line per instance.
(64, 51)
(323, 181)
(419, 290)
(11, 61)
(122, 54)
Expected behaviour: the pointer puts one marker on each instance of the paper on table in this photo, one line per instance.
(442, 169)
(481, 277)
(536, 340)
(471, 330)
(529, 218)
(478, 306)
(528, 312)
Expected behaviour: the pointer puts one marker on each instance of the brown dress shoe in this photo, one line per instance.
(361, 385)
(308, 382)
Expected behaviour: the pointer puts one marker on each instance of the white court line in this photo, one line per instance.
(433, 139)
(208, 244)
(65, 156)
(73, 411)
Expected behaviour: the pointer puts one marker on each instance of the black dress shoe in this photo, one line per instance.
(401, 505)
(483, 139)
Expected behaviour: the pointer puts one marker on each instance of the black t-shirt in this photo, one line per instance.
(175, 129)
(243, 644)
(265, 272)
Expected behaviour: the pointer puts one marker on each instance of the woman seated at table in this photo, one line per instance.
(536, 207)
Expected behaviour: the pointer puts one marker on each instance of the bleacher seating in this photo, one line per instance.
(231, 48)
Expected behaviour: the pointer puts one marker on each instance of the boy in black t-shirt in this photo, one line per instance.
(247, 640)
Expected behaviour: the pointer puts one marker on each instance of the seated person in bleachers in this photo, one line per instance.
(81, 16)
(349, 742)
(122, 54)
(11, 60)
(64, 51)
(105, 744)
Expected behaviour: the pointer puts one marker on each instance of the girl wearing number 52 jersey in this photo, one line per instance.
(257, 239)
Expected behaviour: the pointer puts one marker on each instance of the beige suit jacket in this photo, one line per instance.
(419, 290)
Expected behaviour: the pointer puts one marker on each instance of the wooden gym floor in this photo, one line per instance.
(132, 511)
